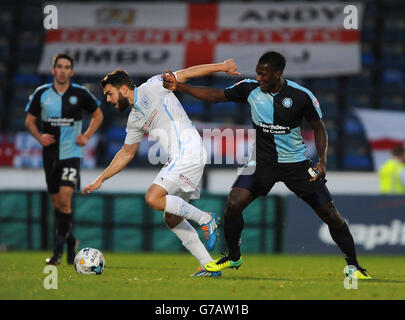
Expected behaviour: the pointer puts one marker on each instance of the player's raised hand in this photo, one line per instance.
(231, 67)
(169, 80)
(96, 184)
(47, 139)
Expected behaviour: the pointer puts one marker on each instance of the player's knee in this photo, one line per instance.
(64, 204)
(233, 207)
(154, 202)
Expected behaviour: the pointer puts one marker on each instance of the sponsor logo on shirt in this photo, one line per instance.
(274, 128)
(61, 122)
(149, 120)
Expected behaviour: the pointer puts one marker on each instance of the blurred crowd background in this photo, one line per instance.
(379, 85)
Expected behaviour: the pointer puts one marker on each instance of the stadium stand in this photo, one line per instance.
(380, 85)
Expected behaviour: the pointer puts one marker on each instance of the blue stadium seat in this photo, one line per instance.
(32, 17)
(394, 26)
(364, 80)
(116, 133)
(204, 81)
(355, 162)
(393, 78)
(17, 116)
(6, 19)
(224, 82)
(368, 29)
(4, 48)
(331, 83)
(31, 41)
(357, 154)
(328, 103)
(1, 100)
(3, 70)
(27, 79)
(22, 93)
(331, 129)
(225, 109)
(194, 108)
(26, 73)
(360, 98)
(393, 54)
(392, 100)
(352, 126)
(367, 54)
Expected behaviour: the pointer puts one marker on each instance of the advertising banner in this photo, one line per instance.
(377, 224)
(147, 38)
(22, 150)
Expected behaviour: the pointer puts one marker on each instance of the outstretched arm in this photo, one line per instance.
(202, 93)
(120, 161)
(228, 66)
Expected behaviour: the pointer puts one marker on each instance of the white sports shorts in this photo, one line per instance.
(181, 176)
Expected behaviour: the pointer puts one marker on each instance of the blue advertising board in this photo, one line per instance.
(377, 224)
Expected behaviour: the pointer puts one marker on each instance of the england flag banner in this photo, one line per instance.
(384, 129)
(147, 38)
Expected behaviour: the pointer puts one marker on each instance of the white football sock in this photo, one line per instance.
(177, 206)
(191, 241)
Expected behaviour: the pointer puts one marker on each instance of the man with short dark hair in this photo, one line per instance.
(59, 105)
(278, 107)
(157, 112)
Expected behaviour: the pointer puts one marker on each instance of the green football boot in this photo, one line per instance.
(223, 263)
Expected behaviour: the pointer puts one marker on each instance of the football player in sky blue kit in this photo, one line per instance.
(59, 106)
(278, 107)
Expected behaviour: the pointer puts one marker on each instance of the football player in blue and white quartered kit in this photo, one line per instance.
(278, 107)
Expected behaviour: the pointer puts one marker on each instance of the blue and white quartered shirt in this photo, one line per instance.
(277, 119)
(61, 116)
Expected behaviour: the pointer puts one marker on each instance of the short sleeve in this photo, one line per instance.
(312, 109)
(34, 104)
(133, 136)
(240, 91)
(89, 102)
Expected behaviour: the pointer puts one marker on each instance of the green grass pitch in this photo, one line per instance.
(158, 276)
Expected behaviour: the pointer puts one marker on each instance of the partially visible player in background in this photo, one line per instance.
(392, 172)
(278, 107)
(59, 106)
(157, 111)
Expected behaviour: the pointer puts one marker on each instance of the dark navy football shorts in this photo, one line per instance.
(294, 175)
(61, 173)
